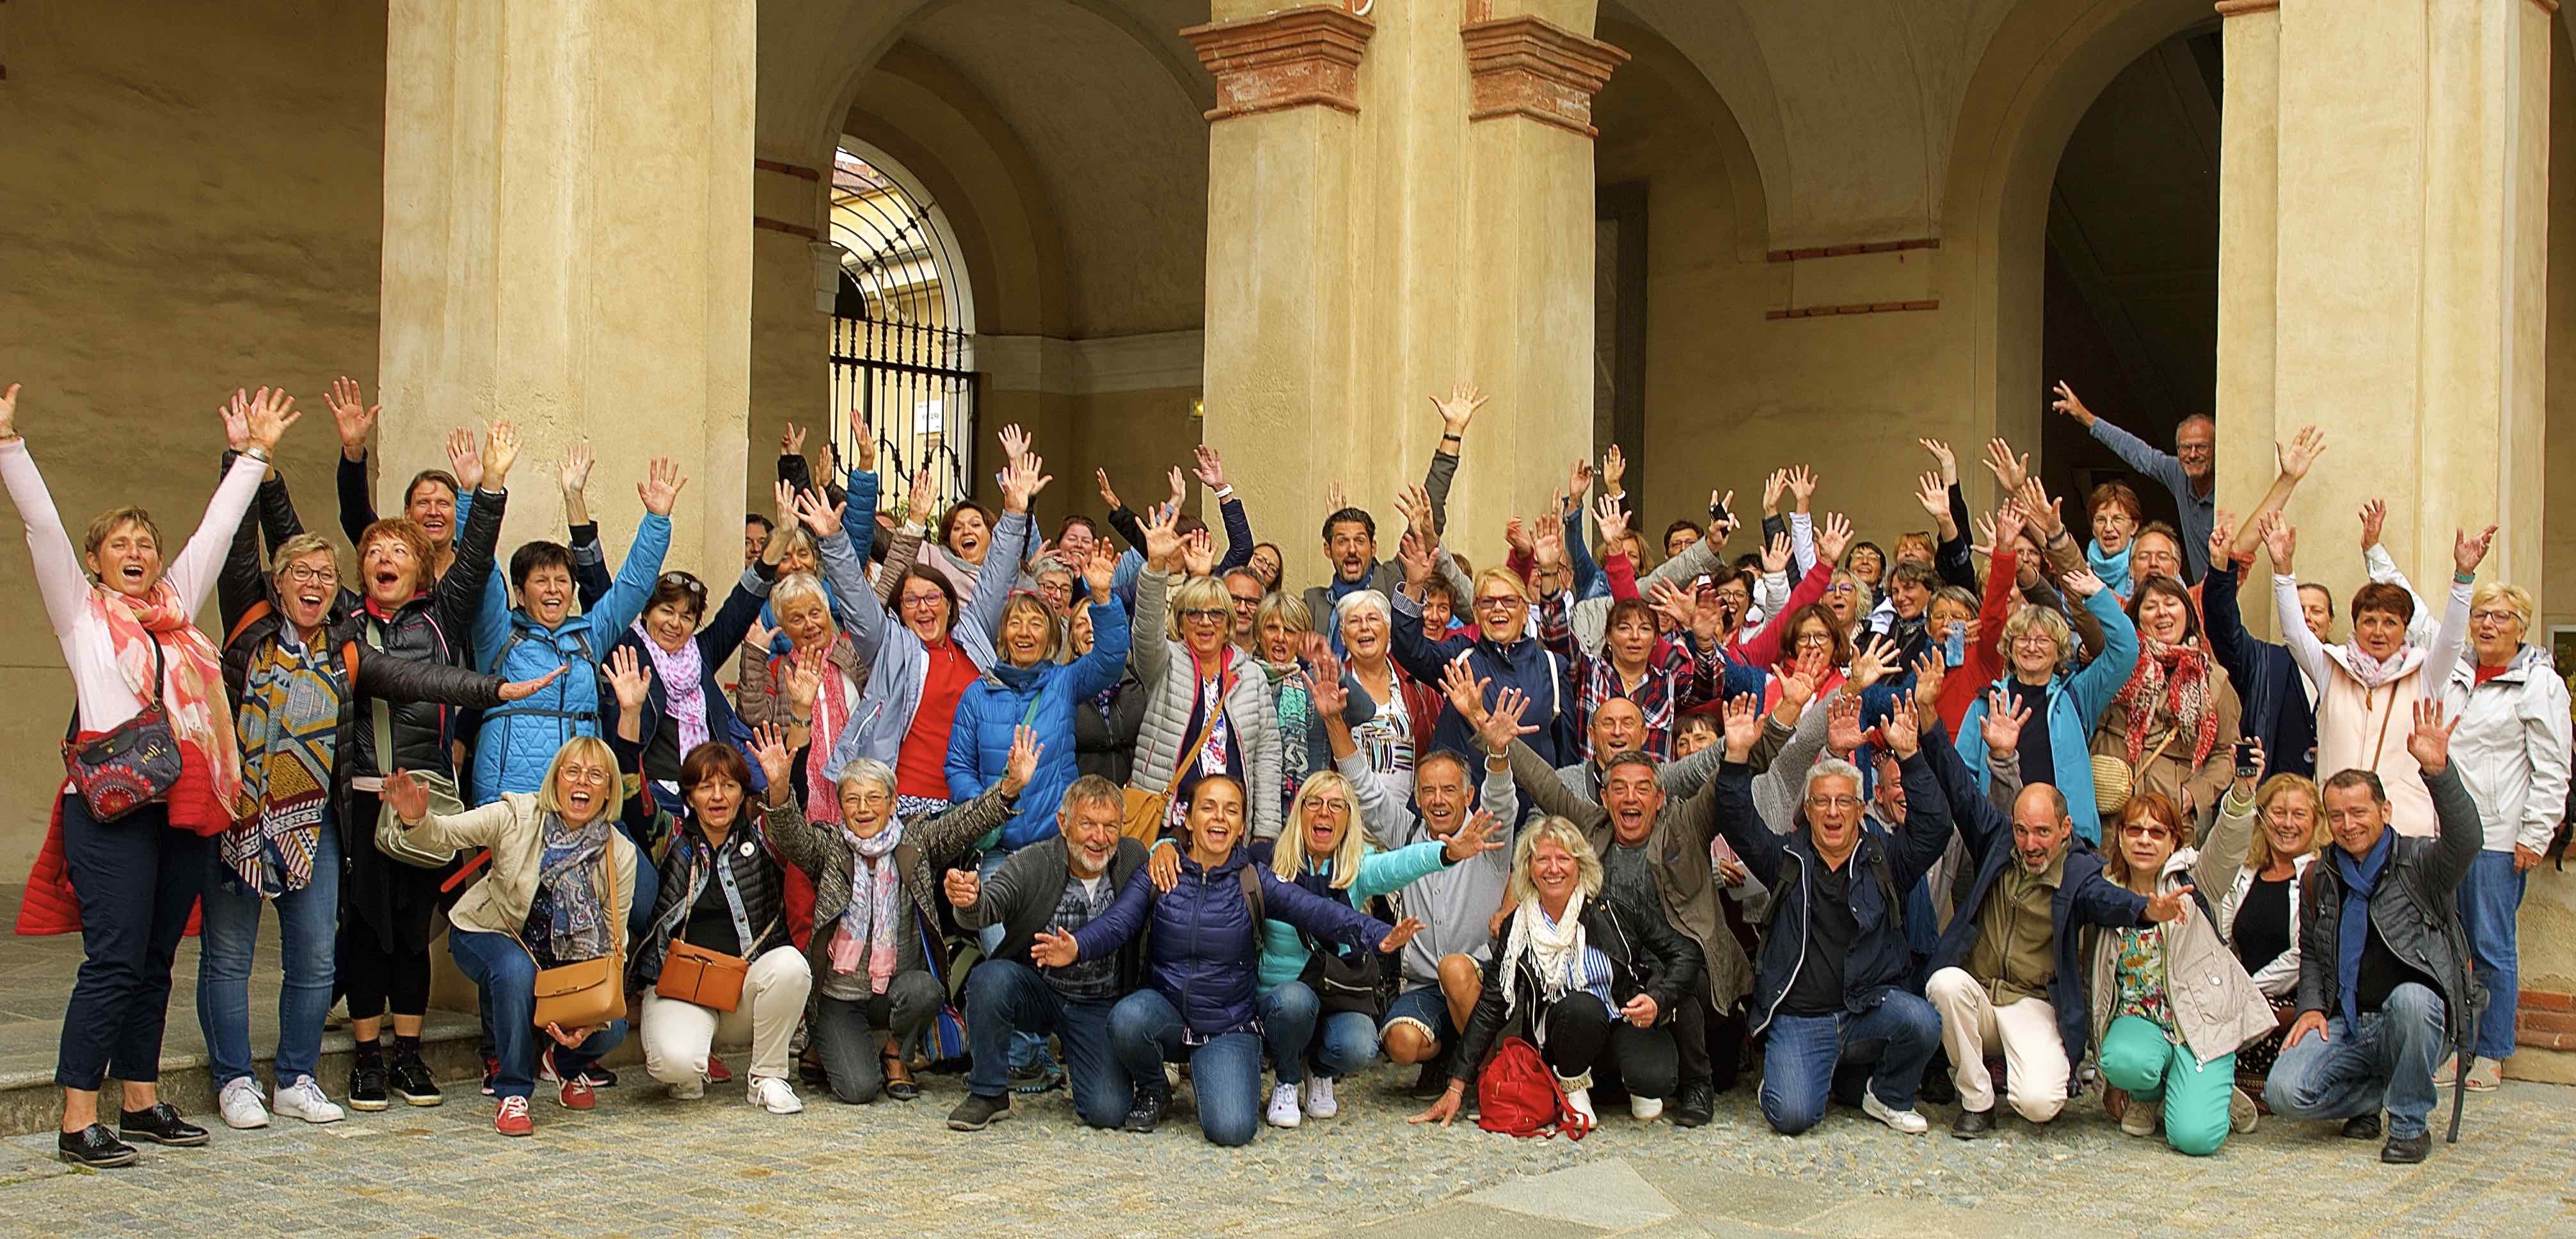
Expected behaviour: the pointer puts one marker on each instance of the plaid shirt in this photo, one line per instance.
(1676, 679)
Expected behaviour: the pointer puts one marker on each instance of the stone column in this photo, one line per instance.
(567, 216)
(2248, 261)
(1397, 204)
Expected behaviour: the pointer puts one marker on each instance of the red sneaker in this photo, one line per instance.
(491, 1074)
(578, 1095)
(717, 1072)
(512, 1118)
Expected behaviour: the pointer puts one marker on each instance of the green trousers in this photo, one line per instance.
(2137, 1059)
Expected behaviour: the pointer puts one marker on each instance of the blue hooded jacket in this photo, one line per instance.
(2075, 705)
(518, 741)
(1045, 697)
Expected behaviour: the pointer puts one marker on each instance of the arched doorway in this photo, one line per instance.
(903, 363)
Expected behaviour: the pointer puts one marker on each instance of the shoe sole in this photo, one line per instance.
(100, 1163)
(432, 1099)
(517, 1135)
(174, 1142)
(996, 1117)
(246, 1126)
(368, 1107)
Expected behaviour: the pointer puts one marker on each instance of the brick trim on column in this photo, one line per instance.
(1527, 66)
(1293, 58)
(2240, 8)
(2545, 1021)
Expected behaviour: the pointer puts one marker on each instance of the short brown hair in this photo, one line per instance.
(2358, 777)
(113, 519)
(2115, 493)
(401, 529)
(2386, 598)
(713, 759)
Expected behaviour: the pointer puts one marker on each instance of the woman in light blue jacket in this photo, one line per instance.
(2065, 706)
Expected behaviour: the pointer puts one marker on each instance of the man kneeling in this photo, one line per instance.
(1060, 883)
(1830, 985)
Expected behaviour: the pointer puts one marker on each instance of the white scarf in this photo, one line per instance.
(1555, 952)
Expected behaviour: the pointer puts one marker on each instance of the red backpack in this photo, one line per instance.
(1518, 1095)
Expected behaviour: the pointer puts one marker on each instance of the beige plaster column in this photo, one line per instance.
(1397, 203)
(568, 189)
(2248, 263)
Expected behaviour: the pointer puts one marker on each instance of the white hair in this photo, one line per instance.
(865, 770)
(797, 587)
(1354, 600)
(1832, 768)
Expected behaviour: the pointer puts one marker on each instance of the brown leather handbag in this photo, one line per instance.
(589, 993)
(711, 979)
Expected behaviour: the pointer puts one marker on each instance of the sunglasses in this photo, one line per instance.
(682, 580)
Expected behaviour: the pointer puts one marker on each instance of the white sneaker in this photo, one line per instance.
(240, 1105)
(1645, 1109)
(1283, 1106)
(1319, 1098)
(690, 1091)
(1906, 1121)
(774, 1095)
(305, 1100)
(1579, 1100)
(2241, 1114)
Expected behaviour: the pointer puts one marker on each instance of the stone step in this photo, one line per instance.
(450, 1043)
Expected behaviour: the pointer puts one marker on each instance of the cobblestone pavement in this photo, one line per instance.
(645, 1165)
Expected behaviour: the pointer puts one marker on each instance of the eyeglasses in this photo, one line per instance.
(1242, 603)
(2492, 616)
(304, 575)
(1203, 613)
(1815, 638)
(2145, 830)
(1833, 802)
(682, 580)
(1499, 602)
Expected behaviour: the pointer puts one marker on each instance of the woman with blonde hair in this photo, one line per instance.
(1282, 636)
(1207, 711)
(1595, 980)
(2259, 915)
(1303, 1016)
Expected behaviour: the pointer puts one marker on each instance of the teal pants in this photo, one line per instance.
(2137, 1059)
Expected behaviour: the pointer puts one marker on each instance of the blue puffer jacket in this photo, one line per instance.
(1525, 664)
(1046, 695)
(1204, 947)
(2075, 705)
(519, 740)
(898, 663)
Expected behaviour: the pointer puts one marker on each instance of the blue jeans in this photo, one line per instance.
(1145, 1032)
(1027, 1050)
(2389, 1061)
(1901, 1033)
(505, 979)
(307, 921)
(1290, 1018)
(1006, 1000)
(2490, 903)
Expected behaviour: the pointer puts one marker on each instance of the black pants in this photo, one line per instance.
(379, 980)
(1582, 1035)
(136, 880)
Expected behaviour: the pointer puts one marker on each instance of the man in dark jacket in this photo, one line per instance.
(1832, 980)
(2005, 975)
(2268, 681)
(1350, 534)
(1061, 882)
(2383, 961)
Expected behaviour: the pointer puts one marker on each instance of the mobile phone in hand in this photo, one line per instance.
(1954, 645)
(2245, 767)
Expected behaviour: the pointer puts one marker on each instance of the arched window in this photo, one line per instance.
(902, 330)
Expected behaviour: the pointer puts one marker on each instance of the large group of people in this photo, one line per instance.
(1129, 812)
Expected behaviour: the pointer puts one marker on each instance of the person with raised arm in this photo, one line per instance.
(2189, 472)
(1350, 533)
(2065, 702)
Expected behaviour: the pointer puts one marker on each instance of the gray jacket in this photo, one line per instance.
(898, 663)
(2416, 910)
(1456, 903)
(1165, 672)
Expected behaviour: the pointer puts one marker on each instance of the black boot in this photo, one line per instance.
(412, 1081)
(1974, 1124)
(367, 1079)
(1697, 1106)
(96, 1147)
(1147, 1110)
(160, 1124)
(2406, 1150)
(2362, 1127)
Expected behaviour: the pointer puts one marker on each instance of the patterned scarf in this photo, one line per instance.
(1555, 952)
(191, 692)
(289, 724)
(577, 925)
(684, 689)
(2175, 677)
(1296, 702)
(2372, 670)
(874, 914)
(831, 714)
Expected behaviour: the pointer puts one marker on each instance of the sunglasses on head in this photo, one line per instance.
(682, 580)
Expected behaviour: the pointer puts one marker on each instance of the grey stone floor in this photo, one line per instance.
(645, 1165)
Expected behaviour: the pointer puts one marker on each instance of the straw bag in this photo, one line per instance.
(2115, 780)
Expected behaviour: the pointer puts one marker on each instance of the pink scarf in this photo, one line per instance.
(191, 691)
(831, 714)
(874, 915)
(684, 689)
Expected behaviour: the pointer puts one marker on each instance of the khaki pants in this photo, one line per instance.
(678, 1036)
(2026, 1030)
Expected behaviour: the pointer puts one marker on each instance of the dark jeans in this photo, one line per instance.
(1583, 1036)
(136, 879)
(1295, 1028)
(506, 981)
(1899, 1034)
(1006, 999)
(850, 1036)
(1225, 1072)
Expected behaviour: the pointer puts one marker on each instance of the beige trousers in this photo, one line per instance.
(678, 1036)
(2026, 1030)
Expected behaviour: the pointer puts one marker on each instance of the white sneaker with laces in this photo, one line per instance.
(2241, 1114)
(305, 1100)
(1579, 1100)
(1319, 1098)
(241, 1106)
(1283, 1107)
(1645, 1109)
(1906, 1121)
(774, 1095)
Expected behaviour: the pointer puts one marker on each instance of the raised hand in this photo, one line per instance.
(2040, 510)
(1022, 480)
(1022, 764)
(1949, 461)
(2222, 539)
(1480, 835)
(1466, 693)
(1459, 409)
(501, 450)
(2281, 540)
(777, 761)
(465, 458)
(1902, 732)
(1578, 480)
(1326, 689)
(1162, 539)
(1798, 680)
(1416, 558)
(759, 635)
(1775, 555)
(1614, 468)
(963, 888)
(2067, 404)
(1677, 605)
(408, 797)
(1015, 442)
(1399, 935)
(2083, 584)
(355, 418)
(1717, 504)
(1100, 572)
(1935, 497)
(805, 681)
(2173, 906)
(2374, 518)
(660, 488)
(629, 677)
(521, 690)
(236, 417)
(1198, 553)
(1842, 723)
(271, 412)
(1210, 468)
(1054, 948)
(791, 440)
(1802, 486)
(2262, 762)
(1871, 663)
(574, 477)
(1612, 515)
(1743, 725)
(2005, 717)
(921, 497)
(2302, 452)
(2430, 743)
(1180, 486)
(1929, 670)
(2468, 552)
(1516, 535)
(1832, 535)
(783, 505)
(1547, 543)
(819, 515)
(1108, 496)
(1985, 541)
(1414, 504)
(1502, 724)
(1334, 499)
(2010, 471)
(863, 442)
(2009, 523)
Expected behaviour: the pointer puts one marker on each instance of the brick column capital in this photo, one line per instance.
(1301, 57)
(2242, 8)
(1527, 66)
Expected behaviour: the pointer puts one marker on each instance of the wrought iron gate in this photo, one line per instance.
(902, 333)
